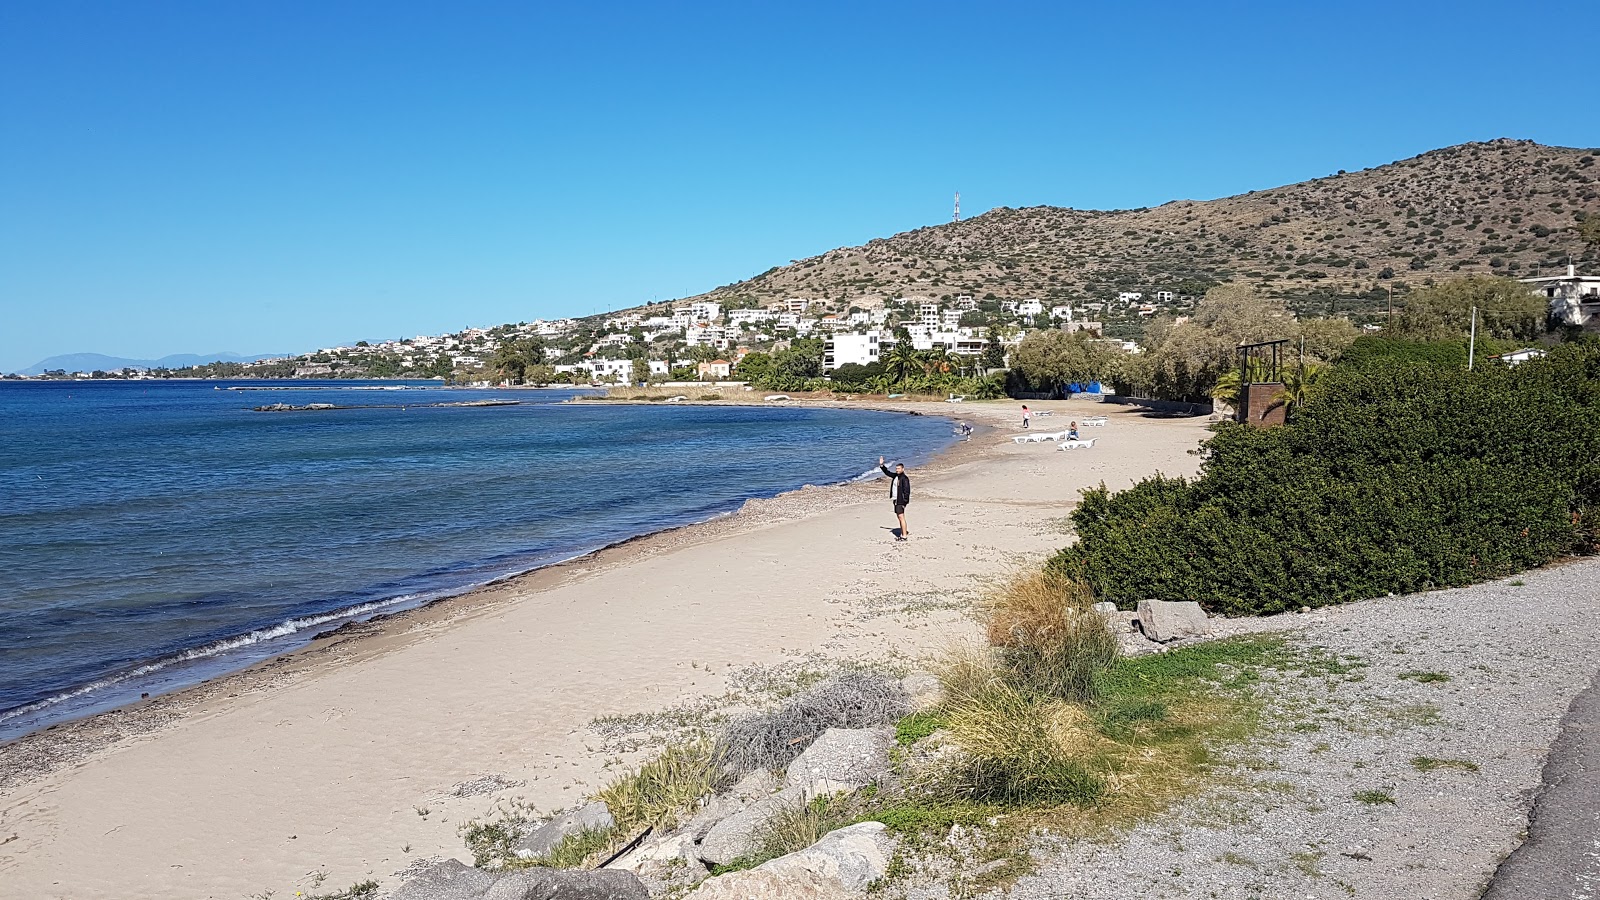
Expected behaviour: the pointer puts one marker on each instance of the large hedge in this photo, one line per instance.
(1396, 475)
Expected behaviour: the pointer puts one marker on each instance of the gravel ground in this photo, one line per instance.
(1477, 679)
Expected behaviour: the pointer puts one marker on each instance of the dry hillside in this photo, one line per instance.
(1506, 207)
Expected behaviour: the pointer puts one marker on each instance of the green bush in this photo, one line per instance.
(1396, 476)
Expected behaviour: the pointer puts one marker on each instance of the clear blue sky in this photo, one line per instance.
(254, 176)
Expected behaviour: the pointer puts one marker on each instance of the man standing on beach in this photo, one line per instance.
(899, 494)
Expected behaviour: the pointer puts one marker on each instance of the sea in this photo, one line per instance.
(154, 534)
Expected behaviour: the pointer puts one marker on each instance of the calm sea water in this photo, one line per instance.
(153, 534)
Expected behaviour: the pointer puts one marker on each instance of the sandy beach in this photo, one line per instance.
(363, 754)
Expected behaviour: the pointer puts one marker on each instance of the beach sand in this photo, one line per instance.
(362, 754)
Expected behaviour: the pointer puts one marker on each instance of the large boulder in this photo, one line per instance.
(448, 880)
(844, 758)
(594, 817)
(854, 857)
(568, 884)
(1164, 621)
(741, 833)
(760, 884)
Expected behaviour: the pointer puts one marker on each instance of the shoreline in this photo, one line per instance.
(355, 626)
(361, 753)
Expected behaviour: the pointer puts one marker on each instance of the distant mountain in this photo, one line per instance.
(89, 362)
(1502, 207)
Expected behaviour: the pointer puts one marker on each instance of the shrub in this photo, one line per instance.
(1394, 477)
(1050, 639)
(773, 739)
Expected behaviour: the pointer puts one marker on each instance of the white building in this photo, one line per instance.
(1061, 313)
(1130, 297)
(705, 311)
(1574, 299)
(1030, 308)
(706, 336)
(749, 316)
(797, 305)
(1165, 296)
(965, 302)
(843, 349)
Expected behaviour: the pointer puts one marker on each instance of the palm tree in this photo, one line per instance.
(901, 362)
(1228, 387)
(1299, 381)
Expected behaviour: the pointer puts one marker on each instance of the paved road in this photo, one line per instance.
(1561, 858)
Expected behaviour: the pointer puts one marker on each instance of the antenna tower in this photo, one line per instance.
(957, 216)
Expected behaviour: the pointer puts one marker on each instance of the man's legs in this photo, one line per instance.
(903, 532)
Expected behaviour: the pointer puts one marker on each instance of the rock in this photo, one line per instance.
(853, 757)
(923, 689)
(448, 880)
(758, 784)
(677, 846)
(758, 884)
(594, 817)
(1105, 606)
(822, 787)
(1165, 621)
(853, 857)
(568, 884)
(1305, 609)
(666, 867)
(740, 833)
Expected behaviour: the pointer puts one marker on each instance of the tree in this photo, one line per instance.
(1507, 309)
(756, 368)
(1589, 230)
(641, 370)
(1049, 359)
(901, 361)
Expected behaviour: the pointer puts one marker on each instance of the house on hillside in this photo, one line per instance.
(1574, 299)
(717, 368)
(843, 349)
(1519, 356)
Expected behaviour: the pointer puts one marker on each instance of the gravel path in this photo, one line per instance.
(1439, 717)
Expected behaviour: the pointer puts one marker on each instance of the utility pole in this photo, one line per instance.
(957, 216)
(1472, 339)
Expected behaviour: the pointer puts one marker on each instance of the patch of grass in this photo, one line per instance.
(1021, 750)
(1430, 764)
(1426, 677)
(662, 790)
(800, 827)
(910, 818)
(916, 726)
(1374, 797)
(576, 851)
(1518, 582)
(1048, 635)
(492, 840)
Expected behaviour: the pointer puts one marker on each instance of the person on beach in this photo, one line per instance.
(1072, 431)
(1026, 416)
(899, 494)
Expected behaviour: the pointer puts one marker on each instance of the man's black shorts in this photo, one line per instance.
(899, 509)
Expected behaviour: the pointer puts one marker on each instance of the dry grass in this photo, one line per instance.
(772, 740)
(1049, 637)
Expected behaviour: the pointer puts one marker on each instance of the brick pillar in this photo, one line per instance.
(1259, 404)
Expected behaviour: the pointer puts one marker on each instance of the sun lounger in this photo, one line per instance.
(776, 398)
(678, 399)
(1077, 445)
(1094, 420)
(1039, 436)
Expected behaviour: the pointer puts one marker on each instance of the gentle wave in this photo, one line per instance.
(208, 651)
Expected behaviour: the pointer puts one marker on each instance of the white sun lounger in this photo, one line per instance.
(1075, 445)
(1094, 420)
(1039, 436)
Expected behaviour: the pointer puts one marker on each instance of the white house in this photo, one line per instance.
(797, 305)
(749, 316)
(1165, 296)
(1130, 297)
(1030, 308)
(705, 311)
(843, 349)
(1574, 299)
(965, 302)
(1519, 356)
(1061, 313)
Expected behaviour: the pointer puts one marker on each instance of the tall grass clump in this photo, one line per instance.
(1050, 640)
(1020, 750)
(666, 788)
(772, 740)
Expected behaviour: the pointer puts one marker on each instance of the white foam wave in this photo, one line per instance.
(207, 651)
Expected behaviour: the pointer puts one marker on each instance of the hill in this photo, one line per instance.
(1504, 207)
(89, 362)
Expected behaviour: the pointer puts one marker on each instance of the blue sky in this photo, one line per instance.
(252, 176)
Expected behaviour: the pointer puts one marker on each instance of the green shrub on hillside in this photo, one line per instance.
(1395, 476)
